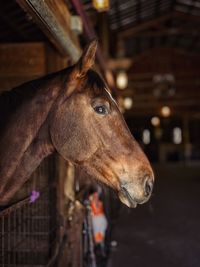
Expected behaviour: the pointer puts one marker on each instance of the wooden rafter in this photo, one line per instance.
(169, 32)
(186, 16)
(53, 18)
(90, 34)
(145, 25)
(157, 22)
(119, 63)
(173, 103)
(180, 93)
(176, 111)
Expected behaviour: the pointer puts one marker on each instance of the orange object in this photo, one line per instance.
(98, 237)
(96, 205)
(101, 5)
(99, 221)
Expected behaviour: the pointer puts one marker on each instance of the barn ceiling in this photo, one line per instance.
(16, 25)
(161, 38)
(144, 24)
(157, 37)
(140, 24)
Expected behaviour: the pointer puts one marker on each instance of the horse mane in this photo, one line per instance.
(95, 82)
(11, 100)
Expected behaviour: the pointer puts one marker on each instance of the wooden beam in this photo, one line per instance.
(158, 103)
(53, 17)
(142, 91)
(176, 106)
(147, 76)
(148, 95)
(119, 63)
(90, 34)
(179, 62)
(104, 34)
(186, 82)
(186, 16)
(168, 32)
(136, 29)
(180, 112)
(144, 26)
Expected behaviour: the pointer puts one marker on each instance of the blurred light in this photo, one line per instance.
(113, 243)
(122, 80)
(76, 24)
(155, 121)
(146, 137)
(128, 103)
(177, 135)
(165, 111)
(101, 5)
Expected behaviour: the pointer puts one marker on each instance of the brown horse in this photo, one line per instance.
(70, 112)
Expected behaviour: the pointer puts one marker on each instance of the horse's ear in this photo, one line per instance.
(88, 58)
(86, 61)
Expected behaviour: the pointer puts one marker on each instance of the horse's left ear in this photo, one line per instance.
(86, 61)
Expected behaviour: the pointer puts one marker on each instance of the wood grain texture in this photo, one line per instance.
(53, 18)
(23, 59)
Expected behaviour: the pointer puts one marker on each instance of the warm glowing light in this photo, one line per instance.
(101, 5)
(177, 135)
(76, 24)
(122, 80)
(146, 137)
(165, 111)
(128, 103)
(155, 121)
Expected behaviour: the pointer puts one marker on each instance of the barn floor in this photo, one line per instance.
(166, 231)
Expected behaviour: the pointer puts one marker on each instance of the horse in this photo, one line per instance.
(71, 112)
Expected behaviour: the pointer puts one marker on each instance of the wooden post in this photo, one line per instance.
(186, 138)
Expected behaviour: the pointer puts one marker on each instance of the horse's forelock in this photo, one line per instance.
(95, 83)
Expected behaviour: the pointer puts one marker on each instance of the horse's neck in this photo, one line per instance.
(25, 142)
(40, 148)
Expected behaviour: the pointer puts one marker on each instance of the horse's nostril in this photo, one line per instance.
(148, 186)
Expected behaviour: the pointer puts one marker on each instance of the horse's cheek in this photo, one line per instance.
(70, 138)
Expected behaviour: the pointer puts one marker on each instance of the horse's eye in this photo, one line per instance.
(101, 110)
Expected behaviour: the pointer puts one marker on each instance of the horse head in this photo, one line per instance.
(87, 129)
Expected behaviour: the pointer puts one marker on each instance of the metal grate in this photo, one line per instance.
(28, 230)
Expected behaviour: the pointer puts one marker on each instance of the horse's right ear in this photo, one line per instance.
(86, 61)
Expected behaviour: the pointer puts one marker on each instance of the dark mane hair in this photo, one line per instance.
(95, 80)
(11, 100)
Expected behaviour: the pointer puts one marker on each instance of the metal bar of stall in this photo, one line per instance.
(25, 227)
(2, 236)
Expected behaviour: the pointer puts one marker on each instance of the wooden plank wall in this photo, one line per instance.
(21, 62)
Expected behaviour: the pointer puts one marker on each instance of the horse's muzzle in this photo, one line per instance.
(131, 194)
(126, 198)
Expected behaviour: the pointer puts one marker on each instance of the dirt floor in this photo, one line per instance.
(166, 231)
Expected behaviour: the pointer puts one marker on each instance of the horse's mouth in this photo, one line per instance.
(126, 198)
